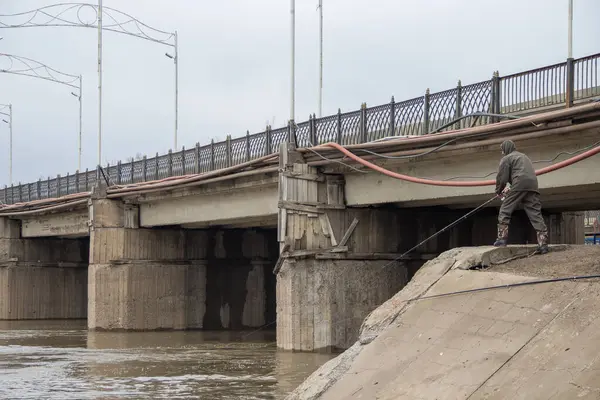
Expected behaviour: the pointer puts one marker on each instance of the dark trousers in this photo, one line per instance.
(531, 204)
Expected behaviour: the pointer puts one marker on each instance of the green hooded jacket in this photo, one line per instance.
(517, 169)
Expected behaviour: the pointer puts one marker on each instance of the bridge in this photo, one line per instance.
(190, 240)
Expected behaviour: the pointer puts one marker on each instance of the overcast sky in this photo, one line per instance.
(235, 67)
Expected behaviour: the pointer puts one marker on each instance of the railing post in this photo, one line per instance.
(156, 164)
(39, 189)
(495, 97)
(228, 150)
(392, 131)
(119, 172)
(12, 194)
(58, 186)
(212, 154)
(312, 134)
(498, 94)
(48, 194)
(20, 192)
(170, 163)
(425, 129)
(67, 183)
(570, 84)
(87, 180)
(268, 140)
(247, 145)
(5, 194)
(458, 110)
(339, 127)
(183, 160)
(197, 170)
(363, 123)
(144, 168)
(28, 192)
(292, 133)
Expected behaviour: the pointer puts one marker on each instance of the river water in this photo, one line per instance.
(62, 360)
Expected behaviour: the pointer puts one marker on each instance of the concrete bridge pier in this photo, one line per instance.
(150, 278)
(41, 278)
(336, 263)
(139, 278)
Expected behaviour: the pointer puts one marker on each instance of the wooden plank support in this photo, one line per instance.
(307, 253)
(349, 232)
(293, 206)
(327, 229)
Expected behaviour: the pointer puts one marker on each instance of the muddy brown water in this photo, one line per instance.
(62, 360)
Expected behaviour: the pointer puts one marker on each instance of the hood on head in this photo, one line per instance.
(507, 147)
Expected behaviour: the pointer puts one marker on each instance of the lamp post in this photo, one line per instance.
(570, 28)
(175, 58)
(293, 55)
(79, 97)
(34, 69)
(320, 58)
(10, 139)
(71, 15)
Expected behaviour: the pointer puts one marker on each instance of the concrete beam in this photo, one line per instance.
(376, 188)
(214, 209)
(71, 224)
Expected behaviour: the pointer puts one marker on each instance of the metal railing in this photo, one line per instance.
(525, 92)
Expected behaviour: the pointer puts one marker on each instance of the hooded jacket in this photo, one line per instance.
(517, 169)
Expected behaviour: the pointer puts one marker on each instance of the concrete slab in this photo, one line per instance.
(533, 341)
(71, 224)
(215, 209)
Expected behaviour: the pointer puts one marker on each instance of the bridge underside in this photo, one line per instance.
(202, 258)
(574, 187)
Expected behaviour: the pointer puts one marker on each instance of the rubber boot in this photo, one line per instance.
(542, 238)
(502, 235)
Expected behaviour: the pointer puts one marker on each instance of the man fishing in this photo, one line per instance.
(517, 170)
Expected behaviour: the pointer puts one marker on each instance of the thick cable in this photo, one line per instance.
(44, 209)
(433, 182)
(507, 286)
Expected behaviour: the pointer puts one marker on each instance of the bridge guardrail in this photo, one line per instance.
(563, 83)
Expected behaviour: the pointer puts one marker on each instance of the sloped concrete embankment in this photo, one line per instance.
(530, 341)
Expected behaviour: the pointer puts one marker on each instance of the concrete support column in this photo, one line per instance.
(337, 264)
(140, 279)
(41, 278)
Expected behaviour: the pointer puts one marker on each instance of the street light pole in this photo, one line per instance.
(24, 66)
(175, 58)
(69, 15)
(293, 50)
(79, 97)
(320, 58)
(10, 145)
(570, 44)
(176, 61)
(99, 82)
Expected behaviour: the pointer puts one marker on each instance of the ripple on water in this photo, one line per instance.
(75, 364)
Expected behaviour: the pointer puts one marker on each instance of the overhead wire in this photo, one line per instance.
(333, 160)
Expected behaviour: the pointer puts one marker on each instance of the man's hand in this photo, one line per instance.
(502, 194)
